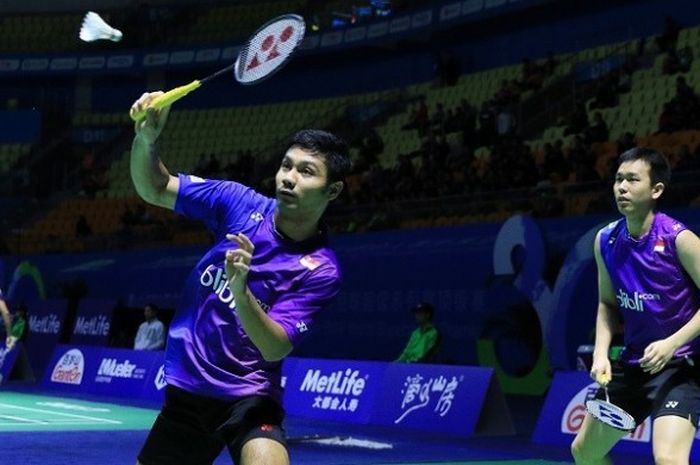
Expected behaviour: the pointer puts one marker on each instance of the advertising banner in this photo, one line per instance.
(105, 371)
(92, 322)
(565, 408)
(457, 400)
(338, 390)
(46, 319)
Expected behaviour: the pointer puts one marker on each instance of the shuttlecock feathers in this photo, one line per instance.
(95, 28)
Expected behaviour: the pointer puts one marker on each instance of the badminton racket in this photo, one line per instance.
(265, 53)
(609, 413)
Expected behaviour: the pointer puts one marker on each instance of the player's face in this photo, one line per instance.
(633, 189)
(302, 182)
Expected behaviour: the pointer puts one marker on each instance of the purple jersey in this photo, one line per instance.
(208, 352)
(655, 295)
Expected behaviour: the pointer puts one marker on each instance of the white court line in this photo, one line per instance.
(23, 420)
(52, 423)
(74, 415)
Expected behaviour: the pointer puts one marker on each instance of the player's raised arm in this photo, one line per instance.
(152, 180)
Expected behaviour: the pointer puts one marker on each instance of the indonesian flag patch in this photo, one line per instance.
(309, 262)
(659, 245)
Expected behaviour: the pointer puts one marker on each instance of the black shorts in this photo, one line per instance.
(673, 391)
(193, 430)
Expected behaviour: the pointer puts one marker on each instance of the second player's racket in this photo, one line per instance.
(265, 53)
(610, 414)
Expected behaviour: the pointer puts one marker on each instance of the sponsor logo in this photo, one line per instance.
(159, 381)
(113, 368)
(418, 393)
(635, 302)
(257, 217)
(69, 368)
(671, 404)
(47, 324)
(346, 382)
(575, 412)
(215, 278)
(97, 325)
(341, 389)
(301, 327)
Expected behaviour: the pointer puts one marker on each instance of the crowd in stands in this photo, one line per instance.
(468, 151)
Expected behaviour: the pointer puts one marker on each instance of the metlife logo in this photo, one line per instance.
(97, 325)
(111, 368)
(339, 390)
(47, 324)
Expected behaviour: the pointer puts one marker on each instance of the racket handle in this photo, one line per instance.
(166, 99)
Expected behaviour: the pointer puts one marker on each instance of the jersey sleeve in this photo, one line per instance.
(219, 204)
(296, 311)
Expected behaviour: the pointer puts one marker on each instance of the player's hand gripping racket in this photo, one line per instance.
(608, 413)
(265, 53)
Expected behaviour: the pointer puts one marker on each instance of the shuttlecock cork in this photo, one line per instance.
(95, 28)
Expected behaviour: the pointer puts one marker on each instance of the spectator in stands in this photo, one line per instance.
(550, 66)
(82, 227)
(7, 320)
(447, 69)
(671, 64)
(438, 119)
(578, 122)
(424, 343)
(606, 91)
(556, 166)
(685, 59)
(687, 161)
(419, 118)
(624, 143)
(532, 76)
(667, 120)
(20, 325)
(200, 169)
(128, 217)
(598, 132)
(213, 166)
(505, 121)
(487, 124)
(151, 333)
(683, 90)
(668, 39)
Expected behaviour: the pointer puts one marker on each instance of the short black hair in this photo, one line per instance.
(424, 307)
(153, 306)
(332, 148)
(659, 167)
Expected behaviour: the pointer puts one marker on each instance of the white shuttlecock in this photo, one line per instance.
(95, 28)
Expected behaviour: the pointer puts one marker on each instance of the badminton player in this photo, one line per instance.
(247, 302)
(648, 278)
(7, 320)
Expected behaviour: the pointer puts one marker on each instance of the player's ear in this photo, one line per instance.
(334, 190)
(657, 190)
